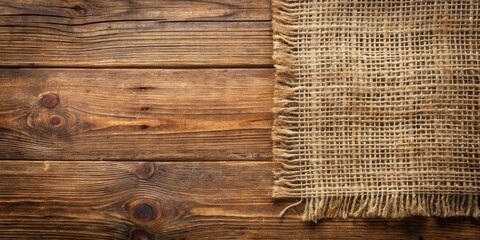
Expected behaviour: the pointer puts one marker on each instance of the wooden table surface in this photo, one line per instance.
(148, 119)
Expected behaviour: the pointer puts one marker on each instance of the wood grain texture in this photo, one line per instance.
(146, 114)
(196, 114)
(136, 33)
(221, 200)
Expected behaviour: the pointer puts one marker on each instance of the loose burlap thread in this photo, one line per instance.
(377, 107)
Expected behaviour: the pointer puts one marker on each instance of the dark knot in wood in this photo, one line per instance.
(138, 234)
(49, 100)
(143, 211)
(57, 121)
(80, 9)
(145, 170)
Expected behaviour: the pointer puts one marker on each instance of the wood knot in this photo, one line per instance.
(145, 170)
(52, 123)
(79, 9)
(57, 121)
(139, 234)
(49, 100)
(143, 211)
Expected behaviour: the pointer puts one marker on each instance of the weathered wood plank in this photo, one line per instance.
(86, 114)
(87, 11)
(138, 33)
(210, 200)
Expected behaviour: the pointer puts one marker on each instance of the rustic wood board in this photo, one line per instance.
(137, 33)
(212, 124)
(213, 200)
(128, 114)
(87, 11)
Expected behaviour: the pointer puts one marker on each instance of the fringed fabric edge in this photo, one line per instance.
(399, 205)
(283, 21)
(287, 169)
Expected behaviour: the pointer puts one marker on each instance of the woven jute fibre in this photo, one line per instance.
(377, 107)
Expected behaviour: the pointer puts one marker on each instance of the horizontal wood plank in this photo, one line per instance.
(129, 114)
(137, 33)
(210, 200)
(87, 11)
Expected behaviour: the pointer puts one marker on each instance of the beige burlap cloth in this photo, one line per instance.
(377, 107)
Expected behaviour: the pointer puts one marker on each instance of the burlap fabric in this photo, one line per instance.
(377, 107)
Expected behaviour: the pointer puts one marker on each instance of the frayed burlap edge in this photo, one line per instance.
(284, 20)
(392, 205)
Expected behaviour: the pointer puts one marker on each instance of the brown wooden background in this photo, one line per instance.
(149, 119)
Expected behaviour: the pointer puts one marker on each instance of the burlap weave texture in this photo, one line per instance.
(377, 107)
